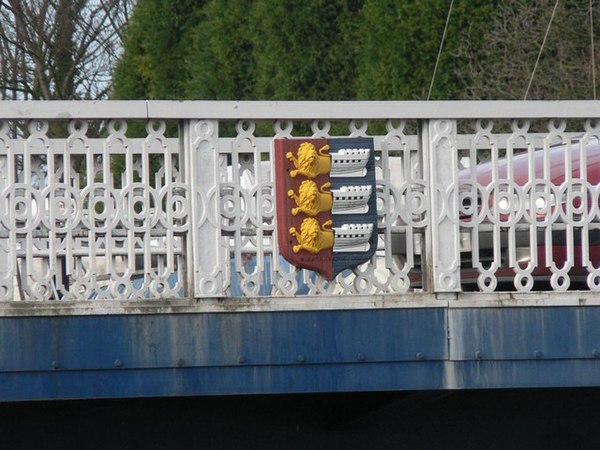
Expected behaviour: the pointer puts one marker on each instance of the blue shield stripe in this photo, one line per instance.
(355, 201)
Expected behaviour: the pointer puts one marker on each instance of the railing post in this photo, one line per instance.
(6, 275)
(440, 159)
(201, 148)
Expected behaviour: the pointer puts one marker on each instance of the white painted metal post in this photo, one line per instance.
(442, 159)
(6, 275)
(202, 174)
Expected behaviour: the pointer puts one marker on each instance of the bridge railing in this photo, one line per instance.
(132, 200)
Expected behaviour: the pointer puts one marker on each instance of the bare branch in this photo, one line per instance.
(60, 48)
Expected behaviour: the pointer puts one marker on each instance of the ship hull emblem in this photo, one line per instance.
(326, 202)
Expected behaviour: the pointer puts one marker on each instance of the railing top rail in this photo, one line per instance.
(297, 110)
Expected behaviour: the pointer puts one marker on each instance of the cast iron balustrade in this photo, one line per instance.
(135, 200)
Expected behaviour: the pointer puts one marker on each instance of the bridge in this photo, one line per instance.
(139, 250)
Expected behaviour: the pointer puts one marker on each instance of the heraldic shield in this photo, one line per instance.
(326, 202)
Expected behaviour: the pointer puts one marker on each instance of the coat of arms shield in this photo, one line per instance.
(326, 202)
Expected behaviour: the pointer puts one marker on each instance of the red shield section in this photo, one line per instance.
(303, 226)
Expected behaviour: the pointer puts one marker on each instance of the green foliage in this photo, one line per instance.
(154, 64)
(302, 49)
(400, 43)
(221, 64)
(240, 49)
(353, 49)
(505, 59)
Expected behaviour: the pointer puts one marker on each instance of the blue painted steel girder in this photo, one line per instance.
(220, 339)
(524, 333)
(63, 357)
(188, 381)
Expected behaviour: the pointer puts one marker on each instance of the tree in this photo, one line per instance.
(304, 49)
(221, 61)
(239, 49)
(311, 49)
(60, 49)
(156, 50)
(399, 45)
(500, 66)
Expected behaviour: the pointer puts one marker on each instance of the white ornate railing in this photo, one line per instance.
(131, 200)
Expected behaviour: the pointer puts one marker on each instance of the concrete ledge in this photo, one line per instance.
(220, 305)
(300, 303)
